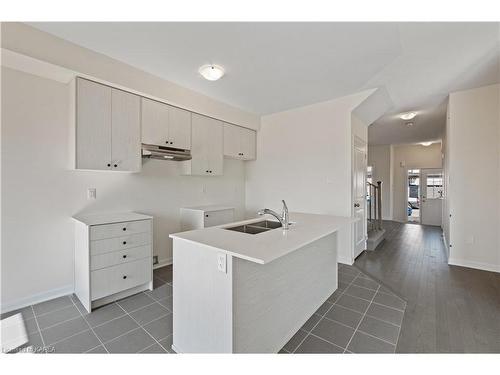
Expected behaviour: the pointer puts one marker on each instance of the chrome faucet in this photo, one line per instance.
(283, 219)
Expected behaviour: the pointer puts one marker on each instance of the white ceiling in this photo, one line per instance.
(272, 67)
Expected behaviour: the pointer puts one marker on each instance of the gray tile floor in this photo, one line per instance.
(361, 316)
(138, 324)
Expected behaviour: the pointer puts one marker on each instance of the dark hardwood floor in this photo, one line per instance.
(450, 309)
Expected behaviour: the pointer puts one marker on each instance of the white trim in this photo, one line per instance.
(345, 261)
(37, 298)
(30, 65)
(163, 263)
(473, 264)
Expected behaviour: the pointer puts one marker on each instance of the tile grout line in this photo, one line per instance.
(376, 337)
(326, 312)
(145, 330)
(361, 320)
(400, 329)
(38, 326)
(325, 340)
(88, 351)
(86, 321)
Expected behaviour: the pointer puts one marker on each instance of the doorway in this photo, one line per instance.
(413, 196)
(431, 196)
(425, 196)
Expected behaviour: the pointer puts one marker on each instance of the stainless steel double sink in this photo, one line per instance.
(256, 228)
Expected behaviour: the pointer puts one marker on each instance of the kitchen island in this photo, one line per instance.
(247, 287)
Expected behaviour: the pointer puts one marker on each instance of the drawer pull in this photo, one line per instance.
(124, 229)
(124, 256)
(124, 277)
(124, 242)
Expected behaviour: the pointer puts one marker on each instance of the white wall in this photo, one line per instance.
(379, 157)
(304, 157)
(474, 174)
(413, 157)
(39, 193)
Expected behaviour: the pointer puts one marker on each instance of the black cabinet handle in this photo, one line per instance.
(124, 242)
(171, 143)
(124, 277)
(116, 165)
(166, 142)
(109, 164)
(124, 256)
(206, 215)
(124, 229)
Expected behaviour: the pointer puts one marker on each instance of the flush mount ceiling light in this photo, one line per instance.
(408, 116)
(211, 72)
(426, 144)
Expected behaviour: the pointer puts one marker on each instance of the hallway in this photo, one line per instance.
(449, 308)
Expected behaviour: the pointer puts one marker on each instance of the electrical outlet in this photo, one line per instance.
(155, 259)
(92, 193)
(221, 262)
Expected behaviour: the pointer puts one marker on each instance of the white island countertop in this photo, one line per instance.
(266, 246)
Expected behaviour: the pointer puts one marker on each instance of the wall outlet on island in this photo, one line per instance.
(221, 262)
(155, 259)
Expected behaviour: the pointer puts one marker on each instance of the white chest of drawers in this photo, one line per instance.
(113, 257)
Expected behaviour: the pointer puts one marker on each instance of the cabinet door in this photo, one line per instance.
(215, 142)
(213, 218)
(93, 125)
(125, 131)
(248, 144)
(232, 141)
(179, 128)
(155, 118)
(200, 139)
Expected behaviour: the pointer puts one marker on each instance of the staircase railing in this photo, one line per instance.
(374, 198)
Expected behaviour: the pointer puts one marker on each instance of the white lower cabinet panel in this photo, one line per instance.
(119, 243)
(119, 257)
(117, 278)
(113, 257)
(99, 232)
(218, 217)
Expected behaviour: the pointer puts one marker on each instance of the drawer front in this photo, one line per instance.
(119, 257)
(119, 243)
(115, 279)
(99, 232)
(214, 218)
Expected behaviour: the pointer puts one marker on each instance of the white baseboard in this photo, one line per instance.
(345, 261)
(163, 263)
(36, 298)
(472, 264)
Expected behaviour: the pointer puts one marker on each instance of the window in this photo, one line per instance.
(434, 186)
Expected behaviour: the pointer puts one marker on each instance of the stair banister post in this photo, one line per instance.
(379, 205)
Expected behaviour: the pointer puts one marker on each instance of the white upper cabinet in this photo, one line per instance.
(239, 143)
(206, 148)
(165, 125)
(179, 128)
(154, 122)
(108, 128)
(125, 131)
(93, 126)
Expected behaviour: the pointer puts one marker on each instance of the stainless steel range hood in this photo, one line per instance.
(165, 153)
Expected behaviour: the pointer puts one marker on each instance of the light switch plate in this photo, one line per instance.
(221, 262)
(92, 193)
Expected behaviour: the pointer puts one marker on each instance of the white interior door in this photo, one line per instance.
(359, 195)
(431, 196)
